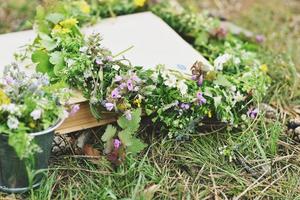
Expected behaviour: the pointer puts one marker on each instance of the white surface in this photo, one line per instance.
(153, 41)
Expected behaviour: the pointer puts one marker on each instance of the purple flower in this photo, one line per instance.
(118, 78)
(74, 109)
(252, 113)
(184, 106)
(109, 106)
(200, 81)
(9, 80)
(260, 38)
(109, 58)
(99, 61)
(122, 86)
(135, 78)
(194, 77)
(115, 94)
(130, 85)
(128, 115)
(200, 99)
(117, 143)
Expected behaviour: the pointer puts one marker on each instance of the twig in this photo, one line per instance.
(254, 184)
(122, 52)
(214, 185)
(266, 188)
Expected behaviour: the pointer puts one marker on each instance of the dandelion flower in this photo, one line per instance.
(3, 98)
(69, 23)
(84, 7)
(139, 3)
(264, 68)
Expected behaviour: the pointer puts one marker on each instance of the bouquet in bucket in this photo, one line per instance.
(29, 104)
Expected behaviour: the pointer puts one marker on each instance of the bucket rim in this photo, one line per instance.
(48, 130)
(43, 132)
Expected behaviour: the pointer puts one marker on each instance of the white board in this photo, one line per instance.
(153, 41)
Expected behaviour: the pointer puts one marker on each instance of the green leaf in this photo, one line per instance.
(222, 80)
(109, 133)
(41, 58)
(136, 146)
(56, 58)
(47, 42)
(55, 17)
(95, 112)
(132, 124)
(126, 137)
(202, 38)
(23, 144)
(43, 25)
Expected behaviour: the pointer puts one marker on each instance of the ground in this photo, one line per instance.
(259, 162)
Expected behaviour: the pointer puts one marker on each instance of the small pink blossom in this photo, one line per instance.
(184, 106)
(117, 143)
(130, 85)
(252, 113)
(109, 106)
(259, 38)
(200, 80)
(128, 115)
(115, 94)
(74, 109)
(122, 86)
(118, 78)
(200, 99)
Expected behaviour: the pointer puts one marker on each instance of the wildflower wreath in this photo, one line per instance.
(176, 102)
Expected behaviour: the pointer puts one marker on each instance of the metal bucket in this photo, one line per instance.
(14, 177)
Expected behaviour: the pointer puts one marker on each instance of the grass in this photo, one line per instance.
(260, 161)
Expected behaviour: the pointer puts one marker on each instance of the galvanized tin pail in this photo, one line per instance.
(14, 177)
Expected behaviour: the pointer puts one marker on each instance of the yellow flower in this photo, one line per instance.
(3, 98)
(139, 3)
(32, 125)
(84, 7)
(211, 75)
(264, 68)
(122, 106)
(69, 23)
(60, 30)
(209, 114)
(137, 102)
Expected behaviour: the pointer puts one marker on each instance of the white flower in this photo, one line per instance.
(12, 122)
(221, 60)
(83, 49)
(171, 81)
(116, 67)
(11, 108)
(238, 97)
(70, 62)
(36, 114)
(154, 76)
(182, 87)
(217, 100)
(236, 60)
(233, 88)
(87, 74)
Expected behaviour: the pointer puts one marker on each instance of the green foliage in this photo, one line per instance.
(23, 144)
(109, 133)
(41, 58)
(132, 124)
